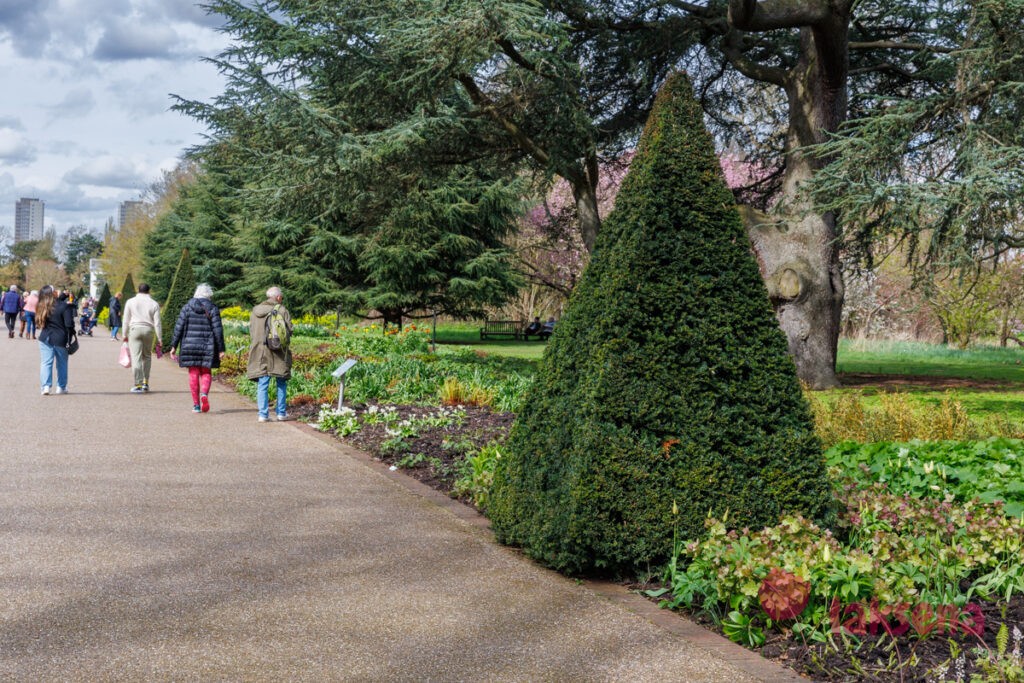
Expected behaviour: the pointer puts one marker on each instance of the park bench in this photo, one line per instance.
(501, 328)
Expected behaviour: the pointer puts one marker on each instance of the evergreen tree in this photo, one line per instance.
(667, 383)
(128, 288)
(202, 219)
(104, 300)
(183, 285)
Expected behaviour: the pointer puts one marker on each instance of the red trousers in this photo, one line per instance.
(199, 380)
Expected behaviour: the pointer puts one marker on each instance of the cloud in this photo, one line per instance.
(125, 40)
(107, 171)
(24, 23)
(15, 149)
(76, 103)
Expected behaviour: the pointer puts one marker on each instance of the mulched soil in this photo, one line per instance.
(442, 448)
(900, 382)
(877, 659)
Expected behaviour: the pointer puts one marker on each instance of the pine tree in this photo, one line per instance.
(667, 384)
(183, 285)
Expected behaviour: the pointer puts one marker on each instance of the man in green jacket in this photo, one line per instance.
(265, 362)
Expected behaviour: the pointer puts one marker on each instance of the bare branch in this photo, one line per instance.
(759, 72)
(896, 45)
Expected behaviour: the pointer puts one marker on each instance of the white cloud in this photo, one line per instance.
(15, 149)
(108, 171)
(76, 103)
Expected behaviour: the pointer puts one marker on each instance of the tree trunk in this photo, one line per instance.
(795, 245)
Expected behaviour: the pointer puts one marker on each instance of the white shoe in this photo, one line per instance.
(263, 419)
(282, 418)
(46, 391)
(61, 391)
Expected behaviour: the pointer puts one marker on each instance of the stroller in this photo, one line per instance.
(86, 321)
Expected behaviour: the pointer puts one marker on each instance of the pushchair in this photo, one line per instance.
(86, 322)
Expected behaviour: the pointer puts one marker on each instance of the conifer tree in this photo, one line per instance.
(128, 288)
(183, 285)
(104, 300)
(667, 384)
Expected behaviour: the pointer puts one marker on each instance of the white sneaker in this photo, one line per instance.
(61, 391)
(46, 391)
(282, 418)
(263, 419)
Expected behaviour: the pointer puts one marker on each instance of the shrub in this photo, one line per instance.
(667, 379)
(183, 286)
(128, 289)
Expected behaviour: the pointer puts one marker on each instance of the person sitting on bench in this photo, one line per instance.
(548, 328)
(533, 329)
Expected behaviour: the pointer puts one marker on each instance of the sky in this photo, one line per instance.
(85, 97)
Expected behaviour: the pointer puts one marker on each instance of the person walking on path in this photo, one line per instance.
(56, 325)
(31, 303)
(11, 305)
(265, 362)
(114, 316)
(142, 326)
(200, 335)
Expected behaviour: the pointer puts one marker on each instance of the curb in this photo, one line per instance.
(675, 623)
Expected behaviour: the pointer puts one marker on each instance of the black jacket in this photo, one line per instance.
(58, 326)
(114, 313)
(199, 333)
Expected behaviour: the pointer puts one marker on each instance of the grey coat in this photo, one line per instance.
(262, 360)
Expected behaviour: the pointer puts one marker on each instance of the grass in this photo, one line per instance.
(467, 335)
(931, 360)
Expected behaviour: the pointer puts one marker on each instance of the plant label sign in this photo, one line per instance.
(343, 368)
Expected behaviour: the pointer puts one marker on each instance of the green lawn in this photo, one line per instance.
(467, 335)
(931, 360)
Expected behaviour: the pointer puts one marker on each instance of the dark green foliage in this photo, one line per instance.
(201, 219)
(128, 288)
(183, 286)
(104, 300)
(80, 294)
(667, 380)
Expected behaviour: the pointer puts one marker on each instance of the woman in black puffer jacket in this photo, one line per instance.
(200, 336)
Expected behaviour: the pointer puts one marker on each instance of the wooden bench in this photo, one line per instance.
(501, 328)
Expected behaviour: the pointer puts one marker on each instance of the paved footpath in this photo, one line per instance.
(141, 542)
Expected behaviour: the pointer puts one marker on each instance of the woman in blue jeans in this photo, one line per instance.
(56, 324)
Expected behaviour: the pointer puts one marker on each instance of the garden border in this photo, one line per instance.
(675, 623)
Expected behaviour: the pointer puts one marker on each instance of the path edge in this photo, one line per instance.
(676, 623)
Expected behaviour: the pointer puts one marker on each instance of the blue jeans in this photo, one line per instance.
(30, 323)
(47, 356)
(263, 400)
(113, 331)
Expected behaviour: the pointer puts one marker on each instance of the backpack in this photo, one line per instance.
(278, 334)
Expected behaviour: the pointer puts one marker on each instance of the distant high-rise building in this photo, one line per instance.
(28, 219)
(127, 212)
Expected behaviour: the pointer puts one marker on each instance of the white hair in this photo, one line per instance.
(274, 292)
(203, 291)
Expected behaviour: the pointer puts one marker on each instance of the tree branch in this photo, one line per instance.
(488, 107)
(759, 72)
(896, 45)
(767, 15)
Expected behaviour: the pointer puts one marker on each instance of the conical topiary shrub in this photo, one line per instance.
(183, 286)
(104, 300)
(667, 381)
(128, 290)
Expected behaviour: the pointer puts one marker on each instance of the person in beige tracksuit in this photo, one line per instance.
(141, 327)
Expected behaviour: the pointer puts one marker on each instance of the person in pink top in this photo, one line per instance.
(30, 314)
